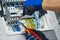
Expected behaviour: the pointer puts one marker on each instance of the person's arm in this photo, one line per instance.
(51, 5)
(43, 4)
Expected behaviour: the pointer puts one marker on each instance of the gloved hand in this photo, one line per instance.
(33, 3)
(30, 6)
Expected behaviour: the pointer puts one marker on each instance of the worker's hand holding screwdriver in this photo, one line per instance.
(44, 4)
(32, 5)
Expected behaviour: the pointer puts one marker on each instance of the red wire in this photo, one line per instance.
(19, 16)
(37, 36)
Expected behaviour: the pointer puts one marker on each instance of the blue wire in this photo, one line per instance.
(37, 19)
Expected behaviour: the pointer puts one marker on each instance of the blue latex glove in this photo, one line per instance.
(36, 3)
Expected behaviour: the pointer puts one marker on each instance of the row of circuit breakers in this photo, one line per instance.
(11, 10)
(14, 11)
